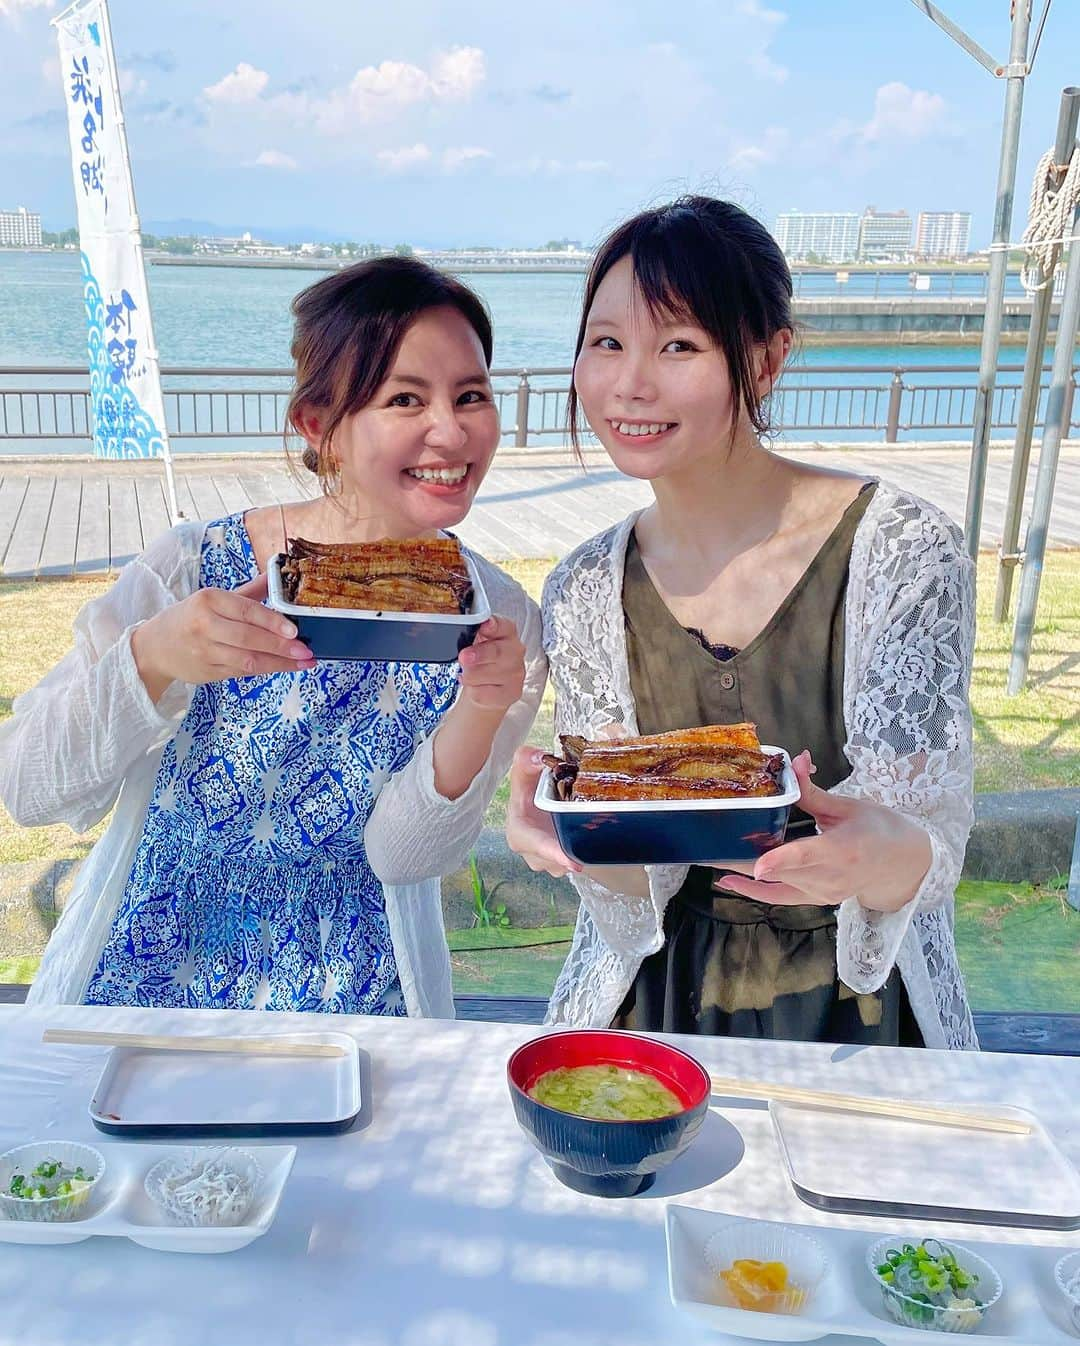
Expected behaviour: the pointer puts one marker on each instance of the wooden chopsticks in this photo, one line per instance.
(876, 1107)
(253, 1046)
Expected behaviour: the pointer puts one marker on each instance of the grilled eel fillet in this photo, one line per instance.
(409, 576)
(715, 762)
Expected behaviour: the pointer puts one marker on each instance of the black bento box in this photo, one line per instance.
(669, 831)
(397, 637)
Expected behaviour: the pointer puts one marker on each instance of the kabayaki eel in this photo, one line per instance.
(428, 576)
(719, 761)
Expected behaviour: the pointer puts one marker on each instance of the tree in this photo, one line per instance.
(65, 238)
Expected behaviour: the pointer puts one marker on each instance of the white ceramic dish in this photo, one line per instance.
(853, 1164)
(848, 1300)
(120, 1207)
(175, 1094)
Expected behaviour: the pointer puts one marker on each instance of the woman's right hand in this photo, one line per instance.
(216, 634)
(529, 831)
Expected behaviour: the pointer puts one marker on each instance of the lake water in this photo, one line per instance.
(240, 317)
(237, 317)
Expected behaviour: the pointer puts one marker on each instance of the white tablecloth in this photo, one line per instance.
(436, 1223)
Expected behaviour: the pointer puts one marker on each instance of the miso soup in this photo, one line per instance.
(607, 1093)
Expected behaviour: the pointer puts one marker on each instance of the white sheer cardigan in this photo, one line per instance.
(909, 632)
(88, 737)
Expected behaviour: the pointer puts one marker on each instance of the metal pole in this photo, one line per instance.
(896, 392)
(1015, 73)
(1008, 557)
(1035, 549)
(521, 429)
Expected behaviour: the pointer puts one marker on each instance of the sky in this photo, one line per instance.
(481, 122)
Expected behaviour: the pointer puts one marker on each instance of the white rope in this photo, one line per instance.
(1050, 217)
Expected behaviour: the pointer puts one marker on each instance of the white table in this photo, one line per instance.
(437, 1224)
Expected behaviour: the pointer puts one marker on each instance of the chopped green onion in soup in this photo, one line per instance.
(606, 1093)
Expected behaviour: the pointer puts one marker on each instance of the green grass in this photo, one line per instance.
(40, 613)
(1019, 946)
(18, 971)
(1030, 741)
(994, 922)
(481, 940)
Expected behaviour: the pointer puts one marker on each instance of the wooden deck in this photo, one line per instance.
(78, 517)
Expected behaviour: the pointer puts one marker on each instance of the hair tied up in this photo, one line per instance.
(346, 336)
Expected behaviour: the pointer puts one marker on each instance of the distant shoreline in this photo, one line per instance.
(533, 268)
(338, 263)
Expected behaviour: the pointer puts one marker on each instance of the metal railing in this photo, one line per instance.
(45, 408)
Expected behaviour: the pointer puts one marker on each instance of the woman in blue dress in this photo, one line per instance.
(280, 825)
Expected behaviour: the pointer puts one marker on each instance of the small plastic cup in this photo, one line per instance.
(911, 1312)
(243, 1161)
(1067, 1280)
(759, 1241)
(25, 1158)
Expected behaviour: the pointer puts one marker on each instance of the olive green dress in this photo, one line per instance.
(729, 965)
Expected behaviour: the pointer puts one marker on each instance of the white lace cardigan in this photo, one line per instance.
(88, 737)
(909, 633)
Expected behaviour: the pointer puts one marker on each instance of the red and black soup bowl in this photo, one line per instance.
(603, 1158)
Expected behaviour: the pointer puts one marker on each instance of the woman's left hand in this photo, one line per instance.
(493, 666)
(864, 850)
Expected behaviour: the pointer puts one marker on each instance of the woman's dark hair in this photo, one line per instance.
(707, 262)
(347, 332)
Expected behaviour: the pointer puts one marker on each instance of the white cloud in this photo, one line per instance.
(767, 150)
(457, 72)
(553, 168)
(458, 157)
(9, 8)
(401, 160)
(242, 85)
(901, 113)
(755, 40)
(275, 159)
(379, 92)
(132, 84)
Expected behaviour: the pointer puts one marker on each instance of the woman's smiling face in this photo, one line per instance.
(655, 388)
(418, 451)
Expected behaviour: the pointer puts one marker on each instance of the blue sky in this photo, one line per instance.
(478, 121)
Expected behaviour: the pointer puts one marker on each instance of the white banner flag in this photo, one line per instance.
(125, 387)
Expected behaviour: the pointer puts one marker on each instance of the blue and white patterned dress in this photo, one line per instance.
(250, 887)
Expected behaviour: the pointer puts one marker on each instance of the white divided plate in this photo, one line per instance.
(854, 1164)
(177, 1094)
(120, 1207)
(848, 1302)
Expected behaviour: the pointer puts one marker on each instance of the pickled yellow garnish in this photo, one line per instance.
(763, 1287)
